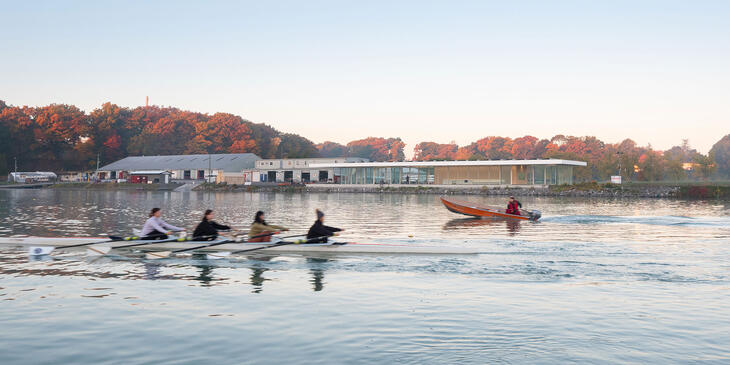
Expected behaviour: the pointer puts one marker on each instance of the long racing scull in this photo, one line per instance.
(332, 247)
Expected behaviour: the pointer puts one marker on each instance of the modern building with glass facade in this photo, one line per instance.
(492, 172)
(298, 170)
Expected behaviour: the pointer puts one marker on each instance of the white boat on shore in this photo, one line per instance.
(266, 247)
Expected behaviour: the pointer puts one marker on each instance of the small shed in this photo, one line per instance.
(150, 177)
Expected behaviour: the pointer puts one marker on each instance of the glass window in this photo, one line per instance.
(565, 175)
(395, 175)
(410, 175)
(539, 174)
(506, 175)
(551, 175)
(380, 175)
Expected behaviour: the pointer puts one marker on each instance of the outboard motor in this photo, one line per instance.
(534, 215)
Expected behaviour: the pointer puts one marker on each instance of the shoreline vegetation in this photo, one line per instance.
(62, 137)
(713, 190)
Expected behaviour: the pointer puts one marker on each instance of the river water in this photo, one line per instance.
(595, 281)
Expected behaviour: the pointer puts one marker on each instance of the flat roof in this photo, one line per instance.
(452, 163)
(345, 159)
(153, 172)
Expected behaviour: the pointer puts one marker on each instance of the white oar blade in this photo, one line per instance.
(98, 250)
(40, 251)
(218, 255)
(157, 255)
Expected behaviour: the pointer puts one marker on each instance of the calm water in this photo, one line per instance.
(596, 281)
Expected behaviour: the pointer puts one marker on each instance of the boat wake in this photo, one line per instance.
(648, 220)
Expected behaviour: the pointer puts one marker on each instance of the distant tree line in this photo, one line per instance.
(632, 162)
(60, 137)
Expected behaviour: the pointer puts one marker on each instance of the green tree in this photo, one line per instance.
(332, 149)
(706, 166)
(673, 169)
(651, 166)
(721, 152)
(295, 146)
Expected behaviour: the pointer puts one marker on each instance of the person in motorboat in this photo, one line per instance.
(157, 229)
(513, 206)
(259, 227)
(207, 229)
(318, 233)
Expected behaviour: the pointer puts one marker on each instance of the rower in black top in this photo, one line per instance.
(318, 233)
(208, 228)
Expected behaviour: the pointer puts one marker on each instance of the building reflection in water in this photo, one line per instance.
(513, 225)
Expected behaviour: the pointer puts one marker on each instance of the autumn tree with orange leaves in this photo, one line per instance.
(60, 137)
(377, 149)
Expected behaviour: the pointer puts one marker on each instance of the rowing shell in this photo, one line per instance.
(350, 247)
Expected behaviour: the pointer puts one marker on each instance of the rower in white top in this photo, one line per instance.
(157, 229)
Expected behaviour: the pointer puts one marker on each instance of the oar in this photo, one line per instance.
(164, 254)
(296, 235)
(220, 255)
(45, 250)
(223, 254)
(99, 250)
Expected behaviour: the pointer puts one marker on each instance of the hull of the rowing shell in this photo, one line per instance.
(473, 210)
(363, 248)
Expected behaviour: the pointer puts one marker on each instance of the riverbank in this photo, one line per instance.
(686, 190)
(114, 186)
(631, 190)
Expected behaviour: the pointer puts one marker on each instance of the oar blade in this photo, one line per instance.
(218, 255)
(157, 255)
(40, 250)
(98, 250)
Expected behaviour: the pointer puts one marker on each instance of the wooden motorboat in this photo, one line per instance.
(476, 210)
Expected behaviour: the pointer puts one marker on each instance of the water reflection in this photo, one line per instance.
(317, 271)
(257, 273)
(513, 225)
(257, 279)
(151, 270)
(205, 274)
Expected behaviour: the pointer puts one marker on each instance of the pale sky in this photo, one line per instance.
(654, 71)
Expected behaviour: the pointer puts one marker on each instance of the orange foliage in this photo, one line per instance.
(378, 149)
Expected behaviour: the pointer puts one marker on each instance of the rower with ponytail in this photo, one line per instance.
(207, 229)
